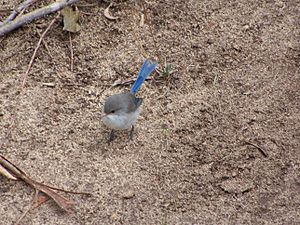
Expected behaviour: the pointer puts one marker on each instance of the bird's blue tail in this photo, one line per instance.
(147, 68)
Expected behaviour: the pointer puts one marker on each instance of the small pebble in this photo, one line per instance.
(128, 194)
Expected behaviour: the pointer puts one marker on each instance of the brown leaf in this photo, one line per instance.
(39, 201)
(107, 14)
(63, 202)
(71, 17)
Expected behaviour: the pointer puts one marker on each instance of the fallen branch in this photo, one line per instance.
(16, 11)
(35, 50)
(38, 13)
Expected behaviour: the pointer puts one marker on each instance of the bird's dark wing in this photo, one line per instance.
(126, 102)
(134, 102)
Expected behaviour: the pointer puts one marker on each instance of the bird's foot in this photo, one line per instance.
(111, 137)
(131, 133)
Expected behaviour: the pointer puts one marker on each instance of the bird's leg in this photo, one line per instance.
(131, 132)
(111, 136)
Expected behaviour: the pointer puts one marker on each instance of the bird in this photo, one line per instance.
(121, 111)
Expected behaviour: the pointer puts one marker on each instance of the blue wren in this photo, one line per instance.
(121, 111)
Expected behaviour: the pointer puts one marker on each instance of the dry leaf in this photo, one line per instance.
(7, 174)
(71, 17)
(63, 202)
(40, 199)
(107, 15)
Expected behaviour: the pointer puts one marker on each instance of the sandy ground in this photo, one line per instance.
(235, 79)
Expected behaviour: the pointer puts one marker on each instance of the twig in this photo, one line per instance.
(29, 208)
(15, 12)
(261, 150)
(35, 51)
(67, 191)
(45, 44)
(71, 51)
(38, 13)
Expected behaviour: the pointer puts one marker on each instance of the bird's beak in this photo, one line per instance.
(103, 115)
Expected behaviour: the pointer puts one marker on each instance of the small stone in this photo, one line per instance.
(128, 194)
(49, 84)
(195, 45)
(237, 186)
(246, 27)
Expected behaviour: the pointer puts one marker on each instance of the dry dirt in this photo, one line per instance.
(235, 79)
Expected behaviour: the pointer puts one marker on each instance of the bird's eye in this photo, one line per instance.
(113, 111)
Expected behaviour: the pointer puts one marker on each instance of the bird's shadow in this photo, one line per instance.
(120, 139)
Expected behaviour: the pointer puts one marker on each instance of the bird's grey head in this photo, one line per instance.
(121, 103)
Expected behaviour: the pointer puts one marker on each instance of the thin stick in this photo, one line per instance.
(29, 208)
(261, 150)
(71, 51)
(67, 191)
(36, 49)
(45, 44)
(15, 12)
(38, 13)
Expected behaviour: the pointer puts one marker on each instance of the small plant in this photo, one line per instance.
(167, 71)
